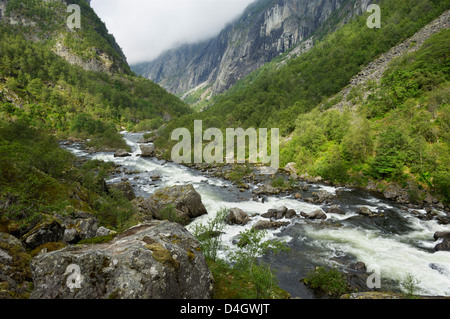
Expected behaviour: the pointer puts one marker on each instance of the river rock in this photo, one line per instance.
(291, 214)
(365, 211)
(237, 217)
(322, 196)
(335, 210)
(291, 170)
(147, 150)
(441, 234)
(158, 260)
(15, 273)
(268, 224)
(121, 153)
(177, 203)
(266, 189)
(443, 246)
(318, 214)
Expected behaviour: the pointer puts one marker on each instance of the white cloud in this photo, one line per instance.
(145, 28)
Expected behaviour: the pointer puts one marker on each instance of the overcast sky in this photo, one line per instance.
(145, 28)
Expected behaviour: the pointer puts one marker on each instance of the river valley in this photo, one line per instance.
(396, 244)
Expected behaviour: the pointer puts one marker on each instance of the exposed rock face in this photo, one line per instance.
(158, 260)
(264, 31)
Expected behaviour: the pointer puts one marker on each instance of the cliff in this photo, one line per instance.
(265, 30)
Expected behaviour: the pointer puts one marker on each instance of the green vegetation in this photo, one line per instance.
(38, 178)
(395, 135)
(249, 277)
(46, 90)
(399, 133)
(330, 281)
(409, 284)
(209, 235)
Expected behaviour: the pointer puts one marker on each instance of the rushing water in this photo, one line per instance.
(397, 245)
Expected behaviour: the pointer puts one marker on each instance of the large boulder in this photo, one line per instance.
(15, 273)
(178, 203)
(157, 260)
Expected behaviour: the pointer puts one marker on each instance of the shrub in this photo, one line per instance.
(330, 281)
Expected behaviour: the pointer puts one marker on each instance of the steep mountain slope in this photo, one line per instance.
(64, 79)
(264, 31)
(355, 144)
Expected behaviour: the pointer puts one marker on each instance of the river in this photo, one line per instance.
(396, 245)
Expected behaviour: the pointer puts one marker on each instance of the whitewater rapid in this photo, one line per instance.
(398, 245)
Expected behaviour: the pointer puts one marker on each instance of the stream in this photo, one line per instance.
(397, 245)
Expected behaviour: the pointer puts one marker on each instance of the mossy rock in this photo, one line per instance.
(15, 271)
(162, 255)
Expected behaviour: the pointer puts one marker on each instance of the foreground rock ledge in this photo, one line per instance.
(156, 260)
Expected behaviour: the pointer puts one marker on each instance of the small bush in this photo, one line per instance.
(330, 281)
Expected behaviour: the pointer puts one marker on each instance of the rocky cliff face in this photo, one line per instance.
(264, 31)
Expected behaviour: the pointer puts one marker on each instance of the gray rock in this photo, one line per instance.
(291, 214)
(442, 234)
(121, 153)
(185, 201)
(443, 246)
(267, 224)
(44, 233)
(103, 231)
(365, 211)
(266, 189)
(269, 31)
(237, 217)
(158, 260)
(317, 214)
(148, 151)
(335, 210)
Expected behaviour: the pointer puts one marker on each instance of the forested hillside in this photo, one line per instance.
(54, 84)
(400, 133)
(74, 82)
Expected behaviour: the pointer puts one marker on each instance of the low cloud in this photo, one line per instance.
(146, 28)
